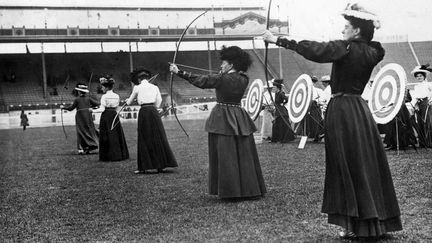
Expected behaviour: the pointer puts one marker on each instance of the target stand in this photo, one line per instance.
(299, 102)
(388, 94)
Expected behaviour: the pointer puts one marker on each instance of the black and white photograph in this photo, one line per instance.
(215, 121)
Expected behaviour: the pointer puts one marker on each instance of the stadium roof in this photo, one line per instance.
(135, 3)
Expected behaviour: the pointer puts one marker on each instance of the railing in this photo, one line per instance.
(52, 117)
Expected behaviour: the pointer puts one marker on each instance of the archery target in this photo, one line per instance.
(300, 98)
(388, 93)
(254, 98)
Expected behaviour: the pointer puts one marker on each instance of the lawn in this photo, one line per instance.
(49, 193)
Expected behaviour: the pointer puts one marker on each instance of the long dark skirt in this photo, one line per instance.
(281, 132)
(112, 144)
(87, 138)
(424, 123)
(234, 170)
(154, 151)
(358, 189)
(404, 133)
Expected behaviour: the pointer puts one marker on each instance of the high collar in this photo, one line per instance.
(359, 39)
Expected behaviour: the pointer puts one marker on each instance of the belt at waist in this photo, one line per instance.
(229, 104)
(110, 108)
(147, 104)
(339, 94)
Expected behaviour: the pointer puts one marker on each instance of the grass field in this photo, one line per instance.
(49, 193)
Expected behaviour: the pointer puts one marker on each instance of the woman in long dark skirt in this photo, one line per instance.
(234, 168)
(281, 130)
(422, 100)
(87, 138)
(358, 190)
(112, 142)
(154, 151)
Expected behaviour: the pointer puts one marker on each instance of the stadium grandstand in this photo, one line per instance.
(46, 50)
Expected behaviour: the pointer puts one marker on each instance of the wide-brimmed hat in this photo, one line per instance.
(357, 11)
(82, 88)
(325, 78)
(422, 69)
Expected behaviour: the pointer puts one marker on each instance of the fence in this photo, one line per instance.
(52, 117)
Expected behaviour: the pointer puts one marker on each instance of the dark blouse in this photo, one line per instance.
(230, 88)
(353, 61)
(280, 101)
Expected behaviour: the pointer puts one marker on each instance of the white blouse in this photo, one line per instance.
(145, 93)
(422, 90)
(108, 100)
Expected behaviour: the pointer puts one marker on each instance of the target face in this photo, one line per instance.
(388, 91)
(254, 99)
(300, 98)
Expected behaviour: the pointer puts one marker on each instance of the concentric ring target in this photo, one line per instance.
(388, 91)
(300, 98)
(254, 98)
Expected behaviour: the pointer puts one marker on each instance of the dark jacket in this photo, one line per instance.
(353, 61)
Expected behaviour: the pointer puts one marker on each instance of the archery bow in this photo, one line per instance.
(266, 68)
(61, 103)
(90, 79)
(174, 61)
(114, 123)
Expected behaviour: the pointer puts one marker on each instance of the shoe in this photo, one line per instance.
(80, 151)
(347, 235)
(139, 172)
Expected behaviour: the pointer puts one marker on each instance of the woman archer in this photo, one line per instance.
(234, 168)
(87, 138)
(358, 190)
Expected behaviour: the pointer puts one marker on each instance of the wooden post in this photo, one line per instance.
(130, 58)
(44, 76)
(209, 57)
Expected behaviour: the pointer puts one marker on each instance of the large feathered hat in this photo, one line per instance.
(422, 69)
(106, 80)
(278, 83)
(139, 73)
(357, 11)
